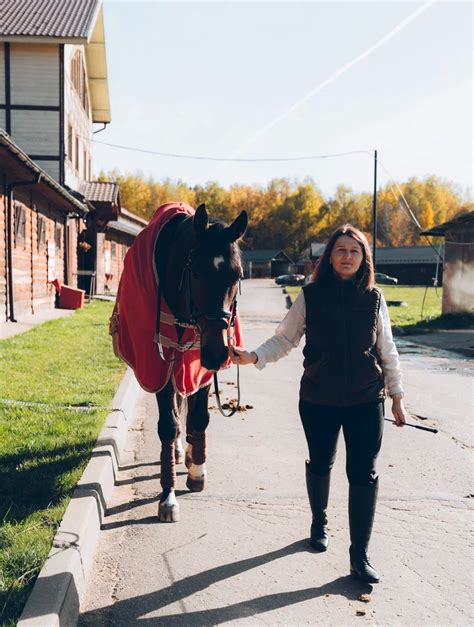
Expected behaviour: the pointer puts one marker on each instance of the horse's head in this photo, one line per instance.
(214, 272)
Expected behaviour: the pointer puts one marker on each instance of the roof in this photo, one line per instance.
(132, 216)
(264, 255)
(7, 143)
(69, 22)
(455, 223)
(96, 191)
(48, 18)
(408, 255)
(124, 227)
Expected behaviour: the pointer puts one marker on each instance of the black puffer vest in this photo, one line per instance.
(341, 363)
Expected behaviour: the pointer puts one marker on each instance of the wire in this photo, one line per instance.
(231, 159)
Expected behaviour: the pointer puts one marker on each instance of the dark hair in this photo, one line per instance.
(365, 277)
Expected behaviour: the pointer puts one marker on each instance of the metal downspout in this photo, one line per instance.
(10, 188)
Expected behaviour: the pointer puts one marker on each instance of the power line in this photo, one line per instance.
(410, 215)
(231, 159)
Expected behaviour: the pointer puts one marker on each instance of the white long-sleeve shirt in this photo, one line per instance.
(291, 329)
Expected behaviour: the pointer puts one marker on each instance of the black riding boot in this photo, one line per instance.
(362, 501)
(318, 494)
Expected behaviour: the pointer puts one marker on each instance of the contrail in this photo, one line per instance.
(333, 77)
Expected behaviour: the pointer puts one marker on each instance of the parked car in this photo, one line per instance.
(384, 279)
(290, 279)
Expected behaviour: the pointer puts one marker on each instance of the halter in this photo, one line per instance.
(223, 315)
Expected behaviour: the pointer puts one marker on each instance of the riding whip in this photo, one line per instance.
(410, 424)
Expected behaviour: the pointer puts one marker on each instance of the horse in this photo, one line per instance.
(175, 314)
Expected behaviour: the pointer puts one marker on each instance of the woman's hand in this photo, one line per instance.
(398, 410)
(242, 357)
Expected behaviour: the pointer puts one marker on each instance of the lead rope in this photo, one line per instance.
(216, 391)
(230, 337)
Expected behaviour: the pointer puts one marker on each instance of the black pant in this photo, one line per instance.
(362, 426)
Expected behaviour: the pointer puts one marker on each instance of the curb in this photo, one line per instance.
(57, 593)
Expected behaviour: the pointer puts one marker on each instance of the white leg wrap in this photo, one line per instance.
(197, 471)
(178, 451)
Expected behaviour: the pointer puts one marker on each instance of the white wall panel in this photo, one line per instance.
(36, 132)
(34, 74)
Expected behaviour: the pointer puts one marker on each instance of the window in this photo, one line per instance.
(69, 144)
(58, 231)
(79, 79)
(41, 228)
(84, 165)
(20, 223)
(113, 250)
(77, 154)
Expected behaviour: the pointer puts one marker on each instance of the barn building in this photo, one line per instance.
(53, 89)
(258, 264)
(458, 287)
(39, 225)
(412, 265)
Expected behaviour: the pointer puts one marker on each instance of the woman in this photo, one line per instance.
(349, 360)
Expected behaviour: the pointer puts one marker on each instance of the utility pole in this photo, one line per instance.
(374, 211)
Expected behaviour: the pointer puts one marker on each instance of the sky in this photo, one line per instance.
(273, 80)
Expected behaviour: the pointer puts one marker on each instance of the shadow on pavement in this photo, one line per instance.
(131, 611)
(124, 507)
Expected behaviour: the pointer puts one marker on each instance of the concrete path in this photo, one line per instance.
(28, 321)
(240, 553)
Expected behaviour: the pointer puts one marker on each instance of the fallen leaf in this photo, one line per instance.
(248, 406)
(361, 613)
(365, 598)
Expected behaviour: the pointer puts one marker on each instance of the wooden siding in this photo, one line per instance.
(34, 74)
(32, 289)
(2, 77)
(3, 283)
(458, 285)
(36, 132)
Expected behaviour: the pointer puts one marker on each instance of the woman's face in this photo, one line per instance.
(346, 257)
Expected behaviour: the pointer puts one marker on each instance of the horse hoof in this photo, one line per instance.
(168, 507)
(196, 484)
(188, 459)
(168, 513)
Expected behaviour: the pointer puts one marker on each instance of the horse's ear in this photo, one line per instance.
(201, 219)
(238, 226)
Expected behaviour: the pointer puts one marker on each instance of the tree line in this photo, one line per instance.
(289, 215)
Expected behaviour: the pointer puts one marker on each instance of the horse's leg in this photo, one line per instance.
(168, 508)
(198, 419)
(180, 410)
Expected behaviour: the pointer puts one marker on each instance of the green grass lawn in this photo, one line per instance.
(43, 453)
(413, 296)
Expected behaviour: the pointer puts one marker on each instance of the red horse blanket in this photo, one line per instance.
(133, 324)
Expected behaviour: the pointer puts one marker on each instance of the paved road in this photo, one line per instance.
(240, 554)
